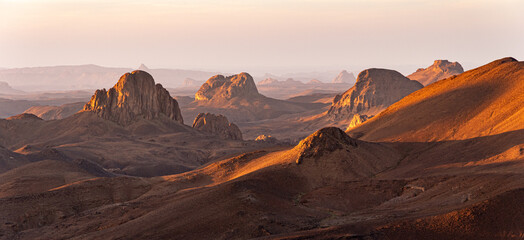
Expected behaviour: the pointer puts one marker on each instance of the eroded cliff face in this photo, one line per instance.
(439, 70)
(357, 120)
(217, 125)
(134, 96)
(219, 88)
(374, 91)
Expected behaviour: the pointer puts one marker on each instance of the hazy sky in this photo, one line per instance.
(259, 35)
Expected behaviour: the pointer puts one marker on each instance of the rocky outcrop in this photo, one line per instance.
(439, 70)
(217, 125)
(133, 97)
(344, 77)
(266, 139)
(374, 91)
(357, 120)
(324, 141)
(24, 116)
(225, 88)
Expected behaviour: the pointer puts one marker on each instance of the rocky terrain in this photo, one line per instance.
(80, 77)
(55, 112)
(374, 90)
(442, 162)
(237, 98)
(217, 125)
(344, 77)
(439, 70)
(6, 89)
(134, 96)
(357, 120)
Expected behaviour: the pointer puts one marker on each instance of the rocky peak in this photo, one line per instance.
(374, 90)
(217, 125)
(439, 70)
(266, 138)
(27, 116)
(268, 81)
(324, 141)
(225, 88)
(143, 67)
(134, 96)
(344, 77)
(357, 120)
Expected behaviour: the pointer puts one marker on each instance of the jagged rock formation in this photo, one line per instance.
(374, 91)
(344, 77)
(357, 120)
(134, 96)
(324, 141)
(439, 70)
(24, 116)
(481, 102)
(219, 88)
(266, 138)
(218, 125)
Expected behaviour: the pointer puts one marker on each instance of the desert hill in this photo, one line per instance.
(137, 117)
(55, 112)
(439, 70)
(6, 89)
(218, 125)
(76, 77)
(237, 98)
(481, 102)
(344, 77)
(387, 184)
(134, 96)
(374, 90)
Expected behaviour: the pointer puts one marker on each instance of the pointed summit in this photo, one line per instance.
(344, 77)
(143, 67)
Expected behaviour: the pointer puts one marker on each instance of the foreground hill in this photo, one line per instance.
(484, 101)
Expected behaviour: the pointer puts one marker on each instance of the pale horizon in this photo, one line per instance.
(259, 36)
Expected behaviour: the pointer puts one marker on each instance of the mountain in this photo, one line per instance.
(268, 81)
(6, 89)
(220, 88)
(134, 96)
(439, 70)
(218, 125)
(80, 77)
(47, 112)
(344, 77)
(374, 90)
(237, 98)
(481, 102)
